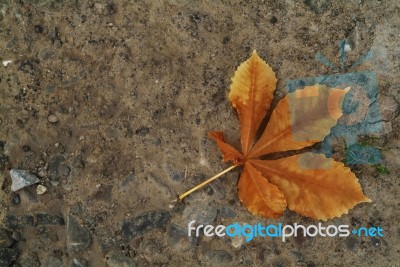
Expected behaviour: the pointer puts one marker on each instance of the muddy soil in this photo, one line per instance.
(109, 104)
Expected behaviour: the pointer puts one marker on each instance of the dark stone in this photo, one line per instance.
(310, 264)
(26, 148)
(196, 18)
(178, 177)
(26, 66)
(318, 6)
(64, 170)
(45, 218)
(20, 123)
(110, 9)
(16, 235)
(202, 214)
(217, 256)
(209, 191)
(3, 162)
(6, 240)
(174, 175)
(106, 240)
(103, 193)
(352, 243)
(142, 130)
(355, 222)
(78, 263)
(128, 179)
(273, 20)
(13, 221)
(375, 222)
(7, 256)
(297, 256)
(226, 40)
(52, 261)
(57, 43)
(54, 167)
(117, 260)
(179, 240)
(38, 29)
(78, 236)
(15, 198)
(375, 242)
(2, 145)
(302, 241)
(226, 212)
(145, 222)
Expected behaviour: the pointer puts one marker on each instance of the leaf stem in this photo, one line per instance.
(206, 182)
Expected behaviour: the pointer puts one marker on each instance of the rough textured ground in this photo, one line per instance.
(134, 88)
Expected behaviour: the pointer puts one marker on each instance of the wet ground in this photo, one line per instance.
(109, 104)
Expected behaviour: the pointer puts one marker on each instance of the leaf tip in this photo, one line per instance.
(367, 199)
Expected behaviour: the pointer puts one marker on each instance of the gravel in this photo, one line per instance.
(119, 260)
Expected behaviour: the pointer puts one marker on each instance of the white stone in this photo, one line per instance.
(41, 189)
(347, 48)
(52, 118)
(21, 179)
(237, 241)
(6, 62)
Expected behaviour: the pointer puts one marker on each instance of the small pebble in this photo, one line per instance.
(38, 29)
(237, 241)
(52, 118)
(16, 235)
(41, 189)
(41, 173)
(375, 242)
(6, 62)
(16, 199)
(78, 262)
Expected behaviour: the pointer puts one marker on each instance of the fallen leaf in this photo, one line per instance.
(308, 183)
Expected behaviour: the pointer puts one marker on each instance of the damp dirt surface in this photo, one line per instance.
(109, 104)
